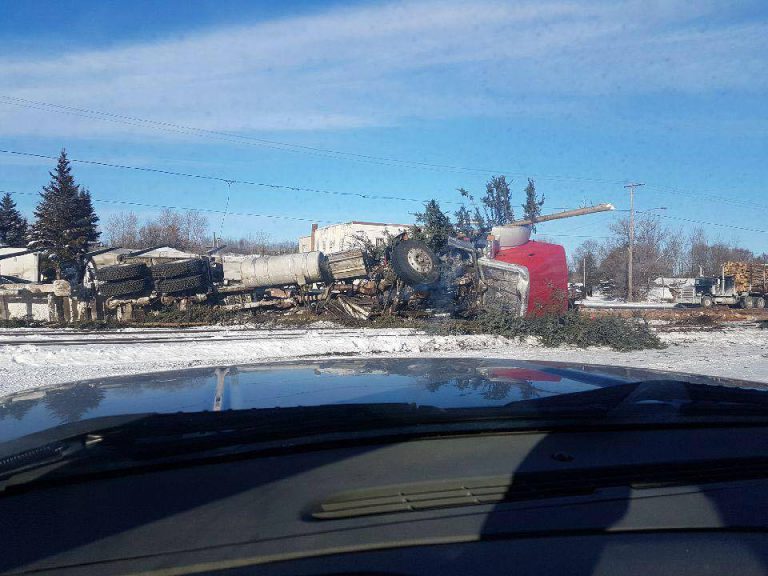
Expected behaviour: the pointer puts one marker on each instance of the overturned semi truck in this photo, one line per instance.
(513, 273)
(523, 275)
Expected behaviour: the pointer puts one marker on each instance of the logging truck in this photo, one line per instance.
(742, 284)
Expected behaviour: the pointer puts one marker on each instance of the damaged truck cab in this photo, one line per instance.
(544, 283)
(524, 276)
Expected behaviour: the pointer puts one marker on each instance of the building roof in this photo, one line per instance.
(378, 223)
(168, 252)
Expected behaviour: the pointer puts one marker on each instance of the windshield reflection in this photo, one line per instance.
(442, 384)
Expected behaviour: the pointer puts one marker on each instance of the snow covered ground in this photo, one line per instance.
(32, 357)
(621, 304)
(600, 301)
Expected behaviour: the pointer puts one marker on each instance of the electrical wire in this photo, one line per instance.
(275, 144)
(190, 209)
(714, 197)
(225, 180)
(742, 228)
(330, 153)
(230, 181)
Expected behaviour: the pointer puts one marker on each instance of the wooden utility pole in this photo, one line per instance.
(561, 215)
(630, 296)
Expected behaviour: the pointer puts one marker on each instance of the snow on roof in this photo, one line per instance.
(678, 281)
(168, 252)
(9, 250)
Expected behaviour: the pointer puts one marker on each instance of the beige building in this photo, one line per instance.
(25, 267)
(340, 237)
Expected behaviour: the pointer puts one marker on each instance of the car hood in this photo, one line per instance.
(441, 383)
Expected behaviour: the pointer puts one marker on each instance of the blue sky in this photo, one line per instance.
(581, 96)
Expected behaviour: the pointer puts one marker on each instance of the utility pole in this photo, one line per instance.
(584, 265)
(631, 187)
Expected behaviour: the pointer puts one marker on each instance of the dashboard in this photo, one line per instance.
(674, 501)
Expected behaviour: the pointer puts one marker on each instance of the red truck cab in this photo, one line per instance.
(548, 275)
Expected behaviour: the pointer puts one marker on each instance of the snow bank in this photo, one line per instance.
(32, 358)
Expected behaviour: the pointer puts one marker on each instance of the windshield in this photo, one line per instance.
(204, 210)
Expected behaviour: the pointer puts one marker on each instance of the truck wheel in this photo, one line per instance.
(759, 302)
(124, 288)
(173, 285)
(706, 301)
(189, 267)
(121, 272)
(415, 263)
(747, 302)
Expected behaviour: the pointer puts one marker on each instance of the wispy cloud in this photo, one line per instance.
(385, 64)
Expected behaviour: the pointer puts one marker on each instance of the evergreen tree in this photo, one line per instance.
(533, 204)
(13, 226)
(464, 222)
(498, 205)
(470, 223)
(87, 221)
(434, 226)
(480, 223)
(64, 219)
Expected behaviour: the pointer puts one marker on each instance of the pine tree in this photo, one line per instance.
(13, 226)
(464, 222)
(470, 223)
(498, 206)
(87, 221)
(64, 219)
(533, 204)
(435, 226)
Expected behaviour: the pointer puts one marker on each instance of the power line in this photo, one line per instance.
(179, 129)
(742, 228)
(573, 235)
(327, 152)
(190, 209)
(225, 180)
(714, 197)
(230, 181)
(275, 144)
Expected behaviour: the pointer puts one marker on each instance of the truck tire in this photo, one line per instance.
(121, 272)
(759, 302)
(415, 263)
(189, 267)
(747, 302)
(186, 283)
(706, 302)
(124, 288)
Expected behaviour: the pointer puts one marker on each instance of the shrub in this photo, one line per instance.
(618, 333)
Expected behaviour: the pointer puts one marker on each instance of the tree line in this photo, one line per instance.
(186, 231)
(658, 251)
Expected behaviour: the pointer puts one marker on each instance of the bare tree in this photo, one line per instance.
(708, 257)
(185, 231)
(195, 228)
(585, 261)
(259, 243)
(649, 257)
(675, 253)
(122, 230)
(658, 251)
(166, 230)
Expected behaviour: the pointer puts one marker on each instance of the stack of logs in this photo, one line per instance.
(748, 276)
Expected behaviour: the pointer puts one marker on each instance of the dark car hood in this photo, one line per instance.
(442, 383)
